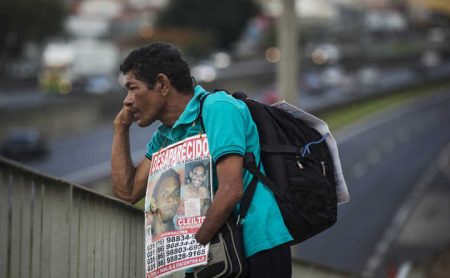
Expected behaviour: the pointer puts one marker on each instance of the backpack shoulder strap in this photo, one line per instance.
(202, 100)
(250, 165)
(200, 113)
(250, 191)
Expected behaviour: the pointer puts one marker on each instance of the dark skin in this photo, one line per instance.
(166, 202)
(163, 102)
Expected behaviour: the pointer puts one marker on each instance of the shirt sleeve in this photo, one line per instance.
(225, 127)
(154, 144)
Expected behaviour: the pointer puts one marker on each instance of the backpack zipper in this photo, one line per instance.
(323, 168)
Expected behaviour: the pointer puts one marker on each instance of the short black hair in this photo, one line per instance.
(171, 173)
(149, 61)
(198, 164)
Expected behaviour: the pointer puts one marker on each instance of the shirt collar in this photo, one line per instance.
(189, 114)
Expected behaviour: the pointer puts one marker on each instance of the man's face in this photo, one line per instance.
(197, 176)
(145, 105)
(168, 198)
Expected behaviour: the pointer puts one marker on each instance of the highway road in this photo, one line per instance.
(86, 158)
(383, 157)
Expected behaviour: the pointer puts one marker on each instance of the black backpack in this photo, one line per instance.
(298, 166)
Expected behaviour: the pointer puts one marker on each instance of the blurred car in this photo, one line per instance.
(204, 71)
(368, 77)
(24, 144)
(100, 84)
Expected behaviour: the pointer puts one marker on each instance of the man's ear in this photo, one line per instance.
(163, 84)
(153, 206)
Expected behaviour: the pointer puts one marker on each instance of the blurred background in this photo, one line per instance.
(378, 71)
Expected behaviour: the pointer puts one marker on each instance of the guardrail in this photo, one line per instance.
(51, 228)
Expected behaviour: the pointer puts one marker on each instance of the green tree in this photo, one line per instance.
(23, 21)
(224, 20)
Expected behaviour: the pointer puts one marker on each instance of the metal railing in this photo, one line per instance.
(51, 228)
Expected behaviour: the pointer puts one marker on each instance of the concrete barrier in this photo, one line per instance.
(51, 228)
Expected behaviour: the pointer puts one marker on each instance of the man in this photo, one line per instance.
(160, 88)
(197, 176)
(196, 190)
(166, 198)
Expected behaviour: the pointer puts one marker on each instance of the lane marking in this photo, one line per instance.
(382, 247)
(405, 269)
(388, 114)
(358, 170)
(403, 135)
(374, 156)
(402, 215)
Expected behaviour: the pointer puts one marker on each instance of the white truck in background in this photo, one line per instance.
(84, 65)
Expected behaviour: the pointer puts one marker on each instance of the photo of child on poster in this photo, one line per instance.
(195, 193)
(165, 202)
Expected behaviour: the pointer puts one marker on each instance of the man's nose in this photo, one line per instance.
(128, 101)
(171, 199)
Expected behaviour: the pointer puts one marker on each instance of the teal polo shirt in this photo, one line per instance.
(230, 130)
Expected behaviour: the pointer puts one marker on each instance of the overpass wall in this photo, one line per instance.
(51, 228)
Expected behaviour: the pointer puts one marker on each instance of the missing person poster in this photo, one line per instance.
(178, 195)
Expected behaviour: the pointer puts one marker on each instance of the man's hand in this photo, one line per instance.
(124, 118)
(229, 192)
(129, 182)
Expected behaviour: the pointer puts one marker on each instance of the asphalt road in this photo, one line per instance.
(383, 159)
(86, 158)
